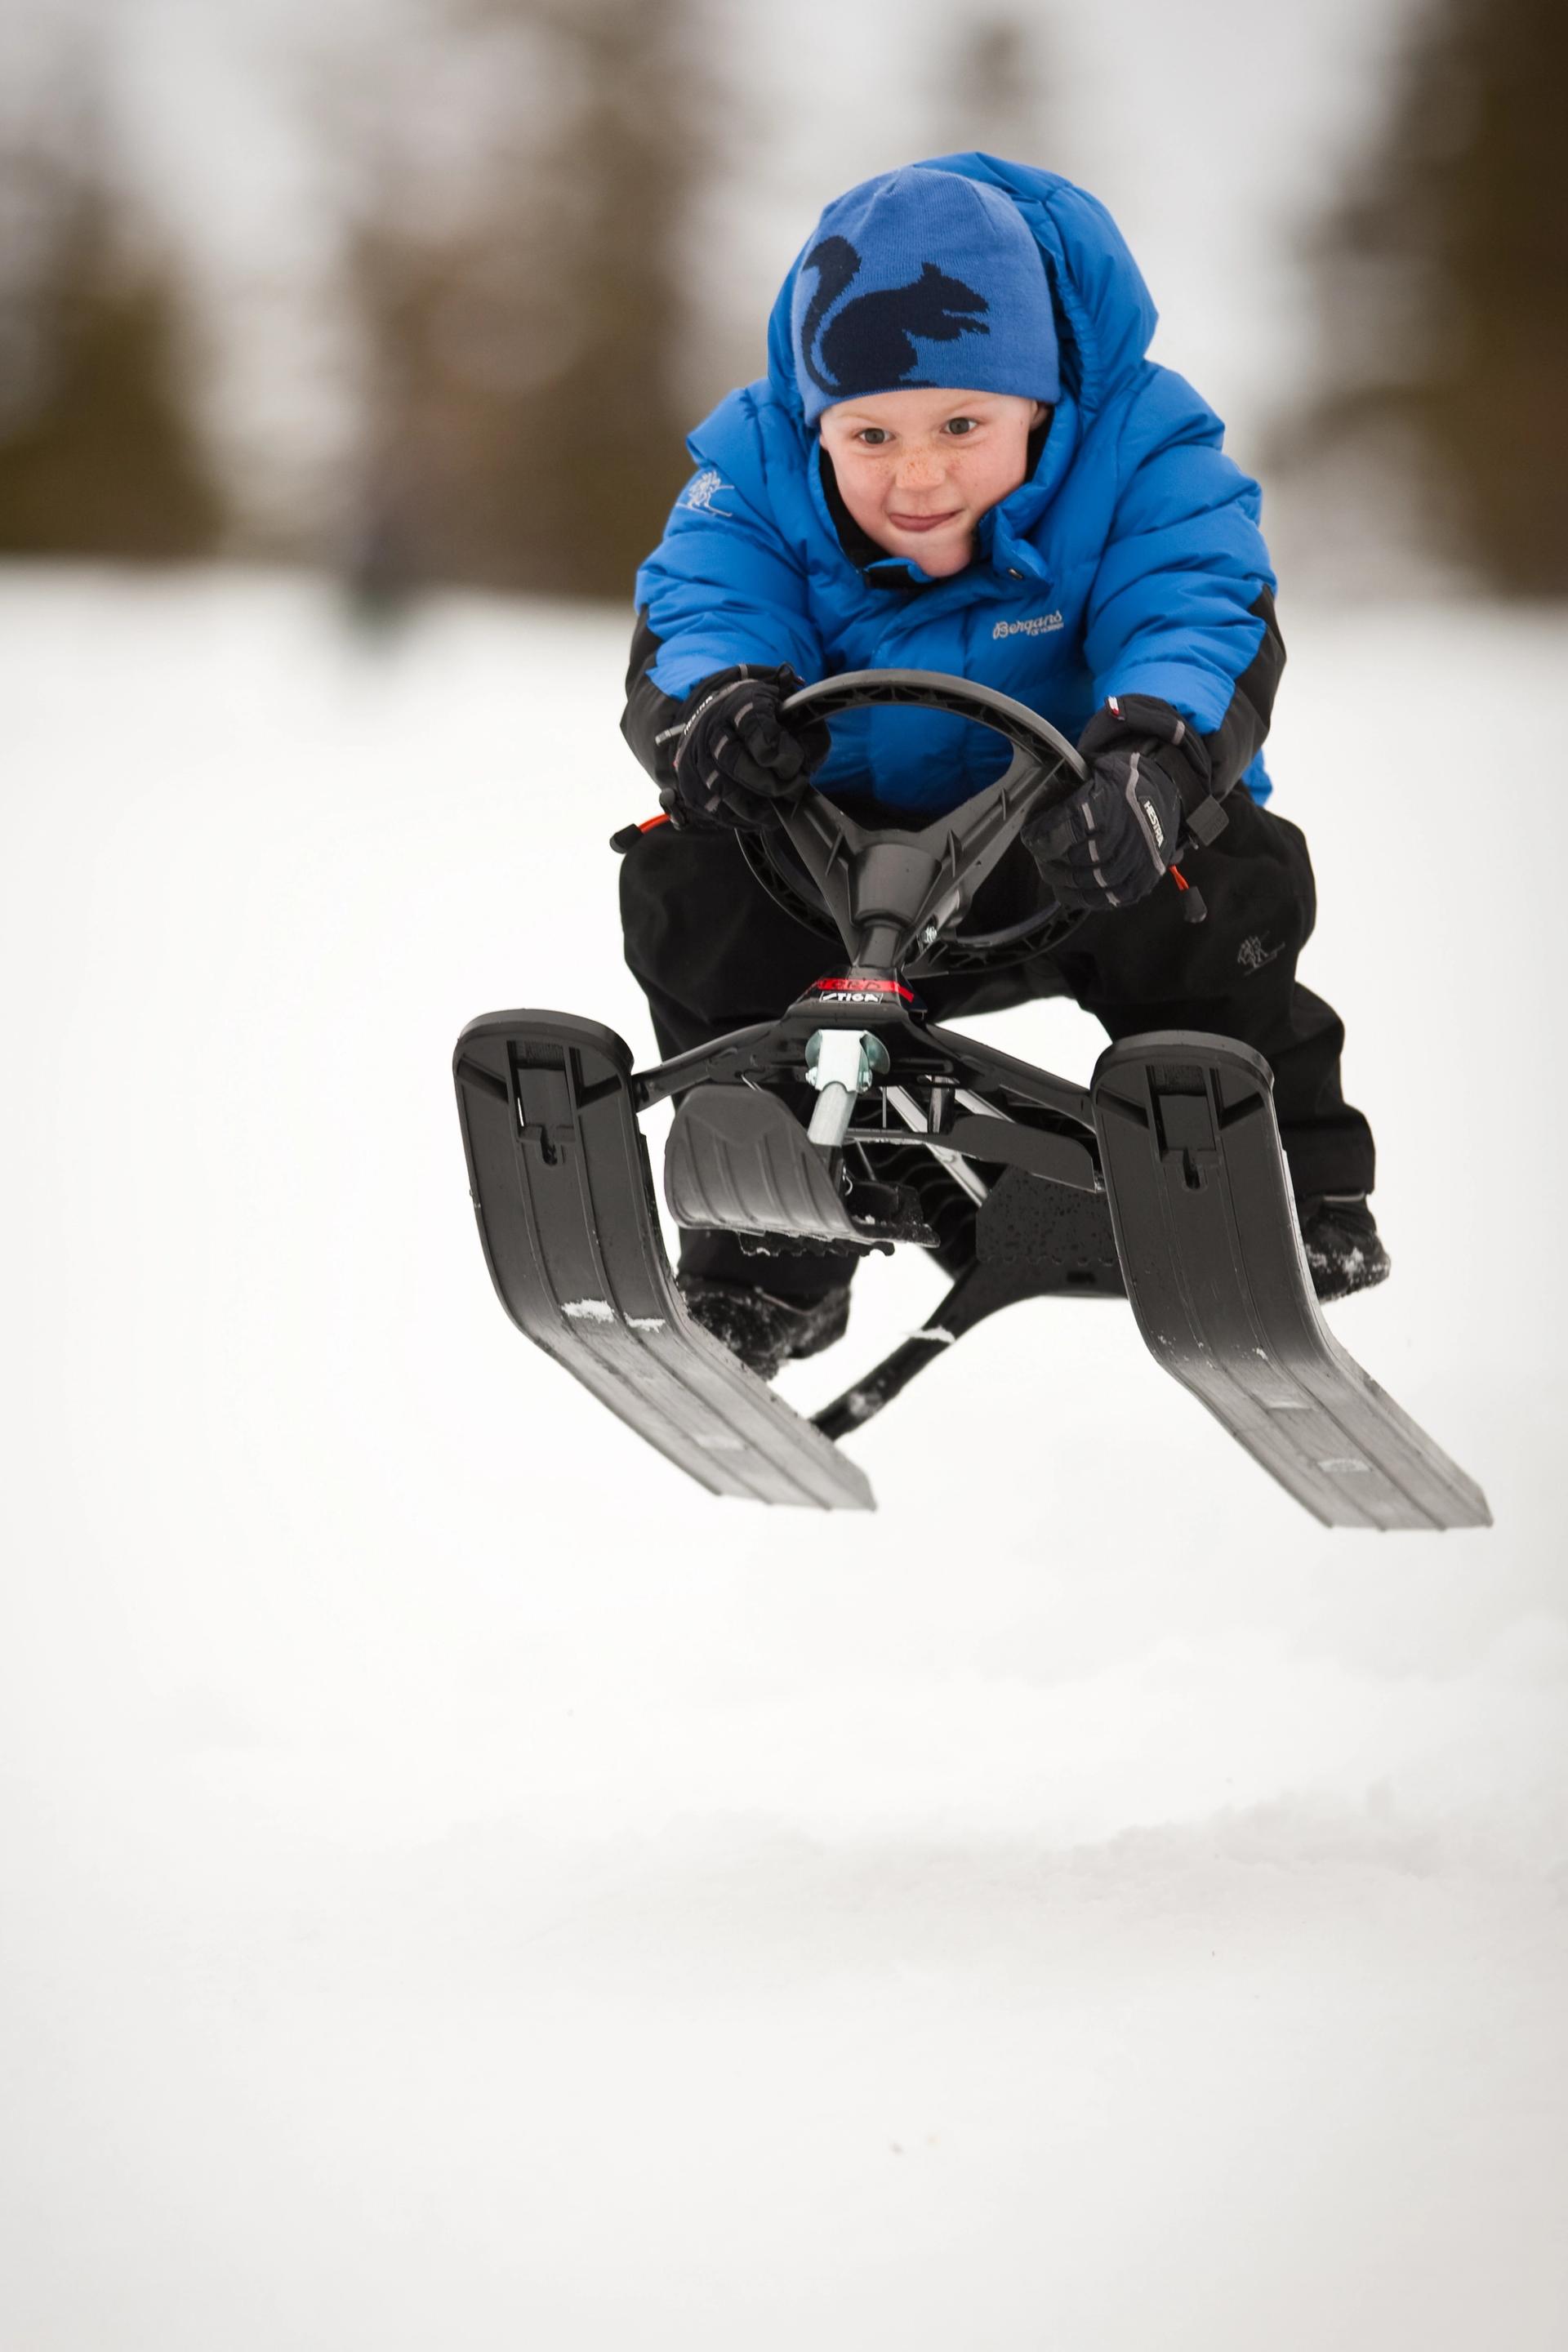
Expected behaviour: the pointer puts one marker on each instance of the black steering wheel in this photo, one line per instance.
(1044, 769)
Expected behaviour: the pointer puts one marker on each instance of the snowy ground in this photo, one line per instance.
(461, 1886)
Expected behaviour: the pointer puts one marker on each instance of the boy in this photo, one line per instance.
(960, 459)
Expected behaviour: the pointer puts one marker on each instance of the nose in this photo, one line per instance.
(919, 469)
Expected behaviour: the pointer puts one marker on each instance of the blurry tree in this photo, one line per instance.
(98, 453)
(523, 296)
(1443, 278)
(992, 93)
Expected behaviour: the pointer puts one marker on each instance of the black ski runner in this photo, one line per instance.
(559, 1175)
(1207, 1233)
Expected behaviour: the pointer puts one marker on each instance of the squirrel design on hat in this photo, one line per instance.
(871, 339)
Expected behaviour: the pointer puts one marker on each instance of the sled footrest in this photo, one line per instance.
(740, 1161)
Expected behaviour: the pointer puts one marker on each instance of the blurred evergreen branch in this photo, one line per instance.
(523, 299)
(98, 454)
(1444, 283)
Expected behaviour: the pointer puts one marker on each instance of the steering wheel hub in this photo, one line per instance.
(899, 899)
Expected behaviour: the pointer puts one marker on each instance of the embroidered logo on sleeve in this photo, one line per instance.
(700, 493)
(1038, 625)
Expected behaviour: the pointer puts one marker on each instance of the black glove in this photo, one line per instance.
(738, 762)
(1110, 843)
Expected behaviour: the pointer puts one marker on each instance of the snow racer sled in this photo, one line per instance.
(853, 1121)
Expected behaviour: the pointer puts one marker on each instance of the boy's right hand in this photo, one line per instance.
(738, 761)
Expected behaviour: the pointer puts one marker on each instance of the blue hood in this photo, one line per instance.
(1105, 314)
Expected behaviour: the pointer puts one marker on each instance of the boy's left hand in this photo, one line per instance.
(1111, 841)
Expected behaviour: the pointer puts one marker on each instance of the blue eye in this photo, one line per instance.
(873, 434)
(961, 425)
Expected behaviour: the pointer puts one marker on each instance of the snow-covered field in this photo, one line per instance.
(462, 1886)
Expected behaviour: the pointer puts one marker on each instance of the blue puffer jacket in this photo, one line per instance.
(1130, 564)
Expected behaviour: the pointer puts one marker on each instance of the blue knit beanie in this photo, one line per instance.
(918, 277)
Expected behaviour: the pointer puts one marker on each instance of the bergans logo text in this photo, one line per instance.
(1039, 625)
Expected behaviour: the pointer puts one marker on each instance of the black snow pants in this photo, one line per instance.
(713, 953)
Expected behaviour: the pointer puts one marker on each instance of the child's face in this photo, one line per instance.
(918, 469)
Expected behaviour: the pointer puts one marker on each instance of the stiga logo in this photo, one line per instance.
(1039, 625)
(853, 989)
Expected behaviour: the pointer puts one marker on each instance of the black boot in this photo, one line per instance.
(1343, 1249)
(762, 1329)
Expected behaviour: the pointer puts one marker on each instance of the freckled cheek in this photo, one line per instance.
(865, 491)
(877, 483)
(981, 475)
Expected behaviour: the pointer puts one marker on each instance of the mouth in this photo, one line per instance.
(924, 521)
